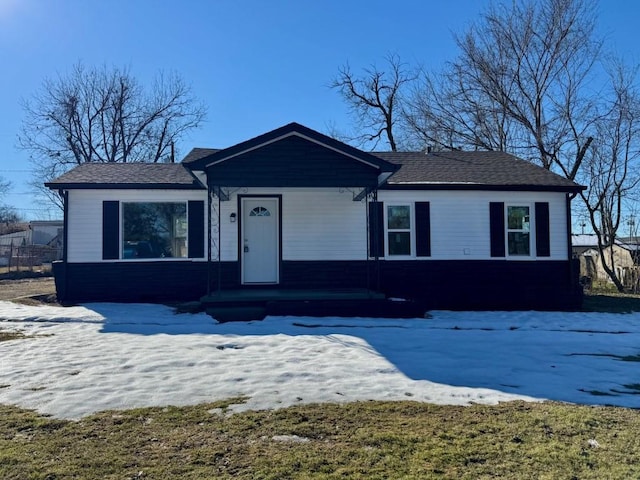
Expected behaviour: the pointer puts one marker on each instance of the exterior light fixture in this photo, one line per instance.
(232, 217)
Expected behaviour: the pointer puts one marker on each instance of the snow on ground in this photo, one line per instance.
(114, 356)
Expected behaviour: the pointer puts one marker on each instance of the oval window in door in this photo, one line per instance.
(260, 212)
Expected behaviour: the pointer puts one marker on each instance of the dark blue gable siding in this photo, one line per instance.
(292, 162)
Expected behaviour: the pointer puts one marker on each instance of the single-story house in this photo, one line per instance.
(31, 243)
(623, 255)
(295, 209)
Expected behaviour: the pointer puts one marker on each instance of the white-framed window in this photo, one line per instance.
(399, 221)
(518, 222)
(154, 230)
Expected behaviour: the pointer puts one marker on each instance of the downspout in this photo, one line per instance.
(65, 224)
(573, 281)
(65, 241)
(570, 197)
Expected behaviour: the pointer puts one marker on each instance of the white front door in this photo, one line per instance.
(259, 240)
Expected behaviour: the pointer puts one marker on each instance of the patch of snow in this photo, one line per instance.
(290, 439)
(118, 356)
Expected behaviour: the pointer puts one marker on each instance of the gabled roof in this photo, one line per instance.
(291, 129)
(472, 170)
(287, 154)
(174, 176)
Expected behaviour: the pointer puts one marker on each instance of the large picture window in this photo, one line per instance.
(399, 229)
(154, 230)
(518, 230)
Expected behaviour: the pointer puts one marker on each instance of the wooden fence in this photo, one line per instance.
(20, 257)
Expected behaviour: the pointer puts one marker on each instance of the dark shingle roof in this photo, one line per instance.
(471, 170)
(197, 153)
(128, 175)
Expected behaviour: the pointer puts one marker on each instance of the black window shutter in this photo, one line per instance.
(110, 230)
(543, 244)
(423, 229)
(195, 224)
(376, 229)
(496, 220)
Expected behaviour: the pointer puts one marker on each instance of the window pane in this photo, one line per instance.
(518, 218)
(398, 217)
(260, 212)
(518, 243)
(154, 230)
(399, 243)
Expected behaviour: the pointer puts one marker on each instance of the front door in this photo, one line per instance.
(259, 240)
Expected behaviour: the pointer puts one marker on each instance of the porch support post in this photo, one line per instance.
(366, 214)
(219, 246)
(208, 239)
(378, 228)
(373, 230)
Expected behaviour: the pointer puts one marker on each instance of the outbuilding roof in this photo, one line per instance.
(471, 170)
(174, 176)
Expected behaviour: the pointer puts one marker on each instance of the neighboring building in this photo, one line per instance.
(38, 241)
(46, 232)
(295, 209)
(623, 255)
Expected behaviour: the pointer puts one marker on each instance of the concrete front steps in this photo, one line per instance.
(256, 304)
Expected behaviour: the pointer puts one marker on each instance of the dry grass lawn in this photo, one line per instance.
(365, 440)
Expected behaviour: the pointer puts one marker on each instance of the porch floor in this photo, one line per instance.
(256, 303)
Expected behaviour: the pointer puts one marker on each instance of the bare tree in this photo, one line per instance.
(374, 99)
(5, 185)
(104, 115)
(612, 171)
(8, 214)
(445, 113)
(519, 84)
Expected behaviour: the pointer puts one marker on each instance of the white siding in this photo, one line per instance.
(326, 224)
(460, 220)
(229, 231)
(318, 224)
(85, 216)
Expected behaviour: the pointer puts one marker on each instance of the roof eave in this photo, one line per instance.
(122, 186)
(481, 186)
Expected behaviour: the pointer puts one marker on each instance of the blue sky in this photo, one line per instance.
(256, 64)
